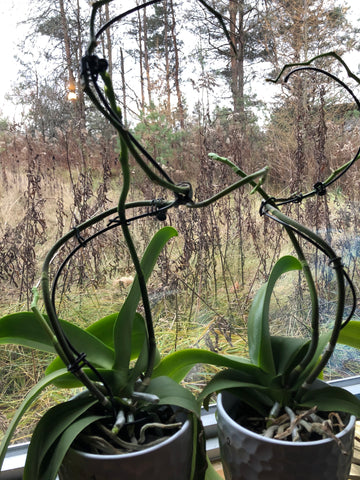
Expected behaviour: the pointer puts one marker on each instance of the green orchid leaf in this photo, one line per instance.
(101, 357)
(50, 427)
(176, 365)
(52, 462)
(171, 393)
(138, 337)
(124, 322)
(211, 473)
(350, 334)
(112, 378)
(141, 361)
(142, 356)
(96, 351)
(25, 329)
(27, 402)
(68, 380)
(99, 354)
(58, 364)
(329, 399)
(230, 379)
(323, 341)
(258, 320)
(258, 400)
(103, 329)
(287, 352)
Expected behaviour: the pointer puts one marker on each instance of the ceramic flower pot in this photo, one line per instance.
(170, 459)
(249, 456)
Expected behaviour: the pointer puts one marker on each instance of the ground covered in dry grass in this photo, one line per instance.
(205, 280)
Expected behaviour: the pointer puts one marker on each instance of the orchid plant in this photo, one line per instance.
(280, 372)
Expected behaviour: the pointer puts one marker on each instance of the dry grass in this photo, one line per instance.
(201, 289)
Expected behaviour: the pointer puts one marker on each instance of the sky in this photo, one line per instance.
(13, 12)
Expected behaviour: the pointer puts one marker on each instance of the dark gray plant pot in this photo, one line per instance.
(171, 460)
(249, 456)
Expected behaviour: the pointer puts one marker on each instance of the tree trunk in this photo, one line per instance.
(167, 61)
(146, 57)
(180, 106)
(122, 66)
(67, 45)
(80, 92)
(108, 40)
(141, 62)
(236, 11)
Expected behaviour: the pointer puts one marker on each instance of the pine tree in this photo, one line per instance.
(297, 30)
(53, 66)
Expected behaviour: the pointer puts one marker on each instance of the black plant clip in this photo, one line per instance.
(158, 209)
(79, 238)
(77, 364)
(184, 198)
(263, 205)
(320, 189)
(92, 65)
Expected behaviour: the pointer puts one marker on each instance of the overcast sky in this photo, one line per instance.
(12, 12)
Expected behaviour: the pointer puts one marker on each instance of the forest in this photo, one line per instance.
(185, 91)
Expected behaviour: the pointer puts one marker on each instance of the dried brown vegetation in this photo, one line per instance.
(205, 278)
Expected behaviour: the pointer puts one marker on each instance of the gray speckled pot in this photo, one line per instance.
(249, 456)
(169, 460)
